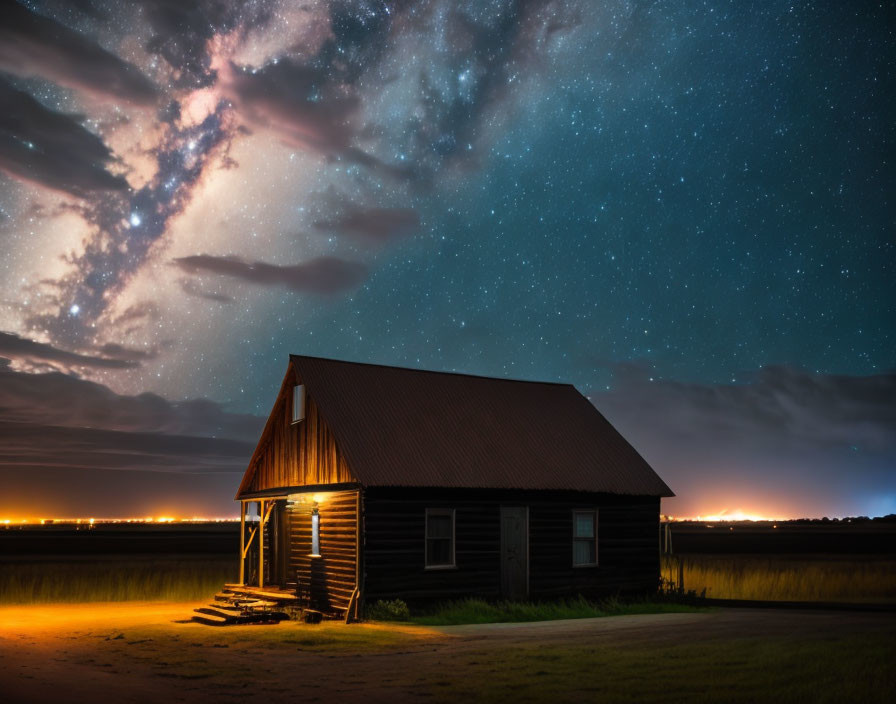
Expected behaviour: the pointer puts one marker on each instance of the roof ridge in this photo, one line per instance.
(445, 429)
(436, 371)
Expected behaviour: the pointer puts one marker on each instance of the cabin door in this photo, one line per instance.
(514, 552)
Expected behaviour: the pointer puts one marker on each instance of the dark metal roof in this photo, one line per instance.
(409, 427)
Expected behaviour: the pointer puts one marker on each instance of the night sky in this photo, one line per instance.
(683, 208)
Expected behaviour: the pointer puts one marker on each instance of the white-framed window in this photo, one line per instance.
(584, 537)
(439, 538)
(298, 403)
(315, 533)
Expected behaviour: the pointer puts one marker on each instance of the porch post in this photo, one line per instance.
(243, 543)
(261, 543)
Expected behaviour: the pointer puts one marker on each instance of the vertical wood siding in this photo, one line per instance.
(628, 559)
(296, 455)
(326, 582)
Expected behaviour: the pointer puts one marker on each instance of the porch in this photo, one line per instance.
(301, 548)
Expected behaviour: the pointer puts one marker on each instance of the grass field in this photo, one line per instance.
(479, 611)
(45, 564)
(787, 578)
(153, 578)
(147, 578)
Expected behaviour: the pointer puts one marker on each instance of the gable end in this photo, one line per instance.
(294, 454)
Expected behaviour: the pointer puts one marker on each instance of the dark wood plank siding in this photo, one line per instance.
(394, 548)
(298, 454)
(328, 581)
(628, 560)
(627, 547)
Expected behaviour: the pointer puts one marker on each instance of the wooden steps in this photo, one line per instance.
(269, 617)
(236, 604)
(243, 591)
(224, 612)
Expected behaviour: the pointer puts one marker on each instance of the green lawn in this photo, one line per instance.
(479, 611)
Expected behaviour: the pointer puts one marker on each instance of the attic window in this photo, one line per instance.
(298, 403)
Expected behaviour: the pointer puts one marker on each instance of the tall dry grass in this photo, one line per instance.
(786, 579)
(148, 579)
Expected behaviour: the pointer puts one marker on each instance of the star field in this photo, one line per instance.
(662, 203)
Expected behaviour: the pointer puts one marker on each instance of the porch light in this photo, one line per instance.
(315, 533)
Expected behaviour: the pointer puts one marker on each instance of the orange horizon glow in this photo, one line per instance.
(730, 516)
(714, 516)
(723, 516)
(94, 521)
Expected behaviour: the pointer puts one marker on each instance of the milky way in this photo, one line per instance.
(684, 209)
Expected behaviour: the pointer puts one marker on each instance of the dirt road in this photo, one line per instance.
(142, 653)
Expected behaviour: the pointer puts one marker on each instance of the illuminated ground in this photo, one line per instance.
(140, 653)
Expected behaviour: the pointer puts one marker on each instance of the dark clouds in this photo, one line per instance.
(51, 148)
(192, 288)
(373, 225)
(301, 103)
(781, 406)
(115, 455)
(66, 472)
(33, 447)
(31, 44)
(786, 437)
(111, 356)
(111, 349)
(326, 275)
(56, 399)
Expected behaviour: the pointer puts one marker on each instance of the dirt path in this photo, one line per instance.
(141, 653)
(679, 628)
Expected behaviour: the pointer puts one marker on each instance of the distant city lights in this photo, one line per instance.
(724, 517)
(101, 521)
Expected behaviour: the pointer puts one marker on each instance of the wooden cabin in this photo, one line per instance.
(372, 482)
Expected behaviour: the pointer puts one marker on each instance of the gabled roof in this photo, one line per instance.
(409, 427)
